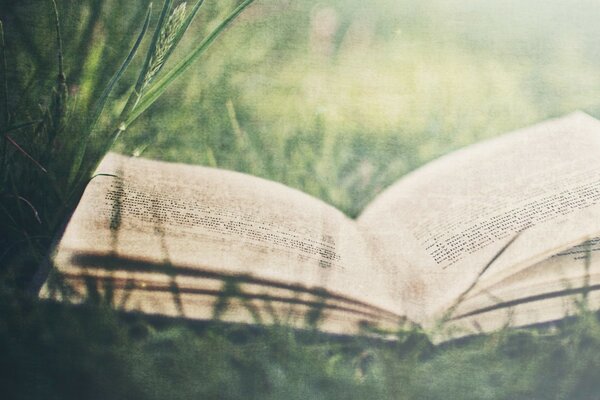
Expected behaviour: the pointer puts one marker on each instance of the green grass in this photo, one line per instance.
(53, 352)
(336, 98)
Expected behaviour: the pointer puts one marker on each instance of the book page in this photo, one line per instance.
(193, 231)
(440, 226)
(546, 291)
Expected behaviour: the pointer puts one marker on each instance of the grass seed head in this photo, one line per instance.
(165, 42)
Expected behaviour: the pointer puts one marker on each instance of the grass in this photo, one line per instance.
(336, 98)
(53, 352)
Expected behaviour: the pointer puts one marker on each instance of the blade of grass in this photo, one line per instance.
(58, 41)
(6, 115)
(117, 76)
(22, 125)
(76, 165)
(4, 160)
(59, 99)
(15, 193)
(3, 65)
(31, 207)
(158, 88)
(22, 151)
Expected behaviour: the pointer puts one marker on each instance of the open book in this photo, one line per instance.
(499, 233)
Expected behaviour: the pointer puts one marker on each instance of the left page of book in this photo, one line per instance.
(182, 240)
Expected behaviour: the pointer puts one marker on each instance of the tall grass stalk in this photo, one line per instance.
(5, 114)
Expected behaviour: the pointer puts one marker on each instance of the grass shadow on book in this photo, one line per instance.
(565, 300)
(189, 292)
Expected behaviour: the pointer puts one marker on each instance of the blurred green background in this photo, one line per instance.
(336, 98)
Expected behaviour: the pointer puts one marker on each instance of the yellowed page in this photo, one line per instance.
(440, 226)
(525, 314)
(571, 275)
(551, 290)
(193, 228)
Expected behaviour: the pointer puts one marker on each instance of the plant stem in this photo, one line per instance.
(6, 114)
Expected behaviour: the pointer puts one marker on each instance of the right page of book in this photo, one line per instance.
(486, 212)
(546, 291)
